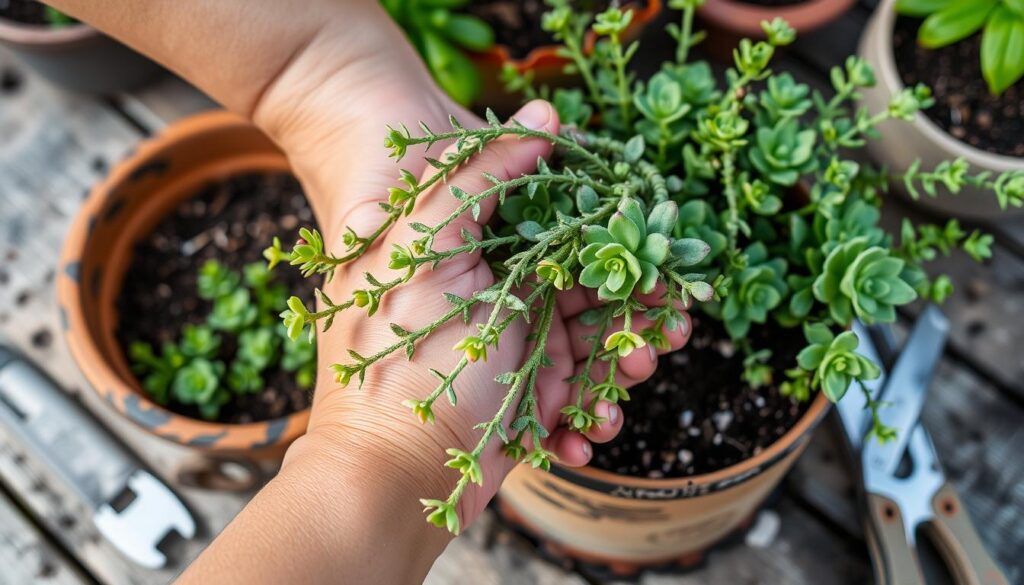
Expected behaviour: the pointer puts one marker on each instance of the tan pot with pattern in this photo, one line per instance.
(626, 522)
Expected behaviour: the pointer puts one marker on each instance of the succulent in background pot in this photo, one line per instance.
(159, 314)
(677, 184)
(69, 53)
(967, 121)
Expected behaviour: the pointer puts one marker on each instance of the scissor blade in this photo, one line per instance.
(851, 409)
(905, 392)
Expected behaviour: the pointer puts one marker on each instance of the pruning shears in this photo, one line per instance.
(896, 504)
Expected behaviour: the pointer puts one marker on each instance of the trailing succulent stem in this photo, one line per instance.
(737, 196)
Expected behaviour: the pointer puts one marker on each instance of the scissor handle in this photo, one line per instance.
(893, 557)
(959, 544)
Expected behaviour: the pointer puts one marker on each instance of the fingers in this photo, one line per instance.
(579, 333)
(506, 158)
(610, 425)
(570, 448)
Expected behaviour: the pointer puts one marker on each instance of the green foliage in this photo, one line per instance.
(441, 33)
(833, 360)
(1001, 23)
(56, 18)
(193, 371)
(738, 195)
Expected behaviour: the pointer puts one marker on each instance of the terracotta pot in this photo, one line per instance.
(728, 21)
(544, 61)
(627, 522)
(77, 57)
(119, 212)
(903, 142)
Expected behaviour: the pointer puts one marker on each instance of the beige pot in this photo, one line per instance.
(903, 142)
(627, 523)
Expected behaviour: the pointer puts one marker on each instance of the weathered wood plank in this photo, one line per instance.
(491, 553)
(162, 102)
(54, 147)
(803, 552)
(27, 555)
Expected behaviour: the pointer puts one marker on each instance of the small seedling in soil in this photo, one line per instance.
(736, 195)
(195, 371)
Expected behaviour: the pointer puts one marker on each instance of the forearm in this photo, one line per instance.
(231, 49)
(324, 520)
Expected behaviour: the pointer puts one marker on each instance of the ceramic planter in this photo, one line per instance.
(626, 523)
(903, 142)
(77, 57)
(120, 211)
(740, 19)
(547, 66)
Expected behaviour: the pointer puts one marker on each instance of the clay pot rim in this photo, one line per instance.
(32, 35)
(884, 21)
(547, 55)
(745, 18)
(751, 466)
(85, 347)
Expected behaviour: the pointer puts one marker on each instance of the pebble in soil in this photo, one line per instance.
(964, 108)
(231, 221)
(695, 415)
(517, 23)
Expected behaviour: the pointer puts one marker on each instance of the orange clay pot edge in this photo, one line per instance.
(547, 55)
(746, 18)
(103, 376)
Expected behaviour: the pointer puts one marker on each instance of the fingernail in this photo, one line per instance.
(534, 115)
(586, 449)
(684, 327)
(613, 415)
(652, 352)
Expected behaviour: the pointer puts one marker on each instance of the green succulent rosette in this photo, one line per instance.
(757, 289)
(863, 280)
(623, 256)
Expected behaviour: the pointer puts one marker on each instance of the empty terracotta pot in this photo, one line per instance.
(626, 523)
(119, 212)
(902, 142)
(743, 19)
(78, 57)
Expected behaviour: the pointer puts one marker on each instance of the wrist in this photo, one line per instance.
(358, 504)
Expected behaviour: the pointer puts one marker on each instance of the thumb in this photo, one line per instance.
(506, 158)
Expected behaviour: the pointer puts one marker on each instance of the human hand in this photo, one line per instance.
(372, 422)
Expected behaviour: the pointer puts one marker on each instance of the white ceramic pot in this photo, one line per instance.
(902, 142)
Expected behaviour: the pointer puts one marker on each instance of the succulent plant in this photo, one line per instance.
(746, 182)
(1001, 23)
(193, 371)
(862, 280)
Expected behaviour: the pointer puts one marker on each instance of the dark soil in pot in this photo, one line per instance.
(517, 23)
(963, 105)
(695, 415)
(231, 221)
(24, 11)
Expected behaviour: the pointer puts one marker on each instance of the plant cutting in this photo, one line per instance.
(441, 31)
(737, 197)
(68, 52)
(968, 52)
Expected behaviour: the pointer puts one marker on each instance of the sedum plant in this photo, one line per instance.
(441, 33)
(229, 353)
(738, 194)
(1002, 37)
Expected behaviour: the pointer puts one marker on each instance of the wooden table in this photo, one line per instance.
(54, 146)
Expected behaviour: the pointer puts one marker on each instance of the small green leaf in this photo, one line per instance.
(958, 20)
(1002, 49)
